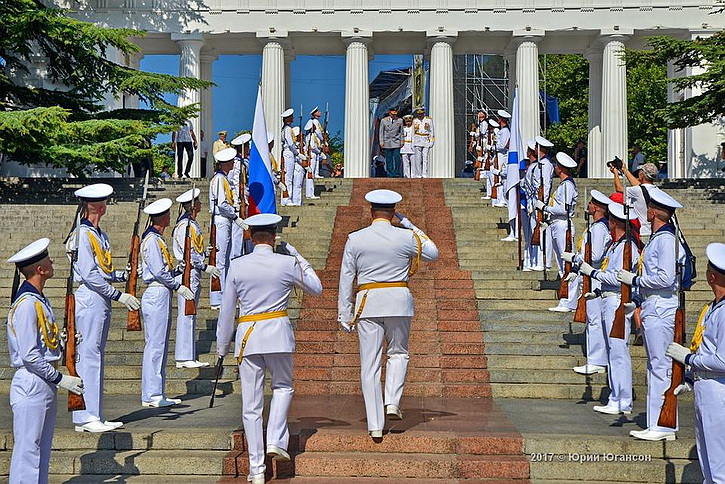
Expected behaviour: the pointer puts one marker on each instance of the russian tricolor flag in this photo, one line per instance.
(516, 155)
(262, 197)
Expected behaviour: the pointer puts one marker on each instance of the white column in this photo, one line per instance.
(614, 98)
(527, 79)
(273, 87)
(357, 117)
(207, 120)
(675, 137)
(596, 165)
(510, 58)
(133, 61)
(442, 157)
(190, 66)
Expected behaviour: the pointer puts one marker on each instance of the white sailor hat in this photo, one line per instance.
(317, 108)
(383, 198)
(296, 131)
(31, 253)
(94, 193)
(565, 160)
(226, 155)
(379, 159)
(600, 198)
(270, 136)
(242, 139)
(659, 197)
(502, 113)
(531, 144)
(263, 220)
(616, 210)
(541, 141)
(287, 113)
(188, 195)
(493, 123)
(419, 110)
(715, 253)
(159, 207)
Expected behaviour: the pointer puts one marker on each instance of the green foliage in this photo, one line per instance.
(646, 101)
(337, 146)
(162, 156)
(696, 54)
(66, 127)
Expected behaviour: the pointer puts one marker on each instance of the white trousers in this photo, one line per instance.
(408, 164)
(33, 402)
(294, 178)
(309, 184)
(595, 332)
(185, 349)
(534, 251)
(709, 425)
(156, 310)
(620, 362)
(558, 237)
(93, 320)
(251, 374)
(658, 331)
(237, 241)
(224, 250)
(421, 161)
(396, 331)
(489, 183)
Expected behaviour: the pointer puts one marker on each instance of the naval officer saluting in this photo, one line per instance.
(382, 258)
(34, 347)
(260, 284)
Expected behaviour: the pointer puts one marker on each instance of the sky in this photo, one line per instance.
(316, 81)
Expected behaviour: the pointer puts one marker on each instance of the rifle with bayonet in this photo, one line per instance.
(621, 313)
(580, 315)
(70, 337)
(133, 320)
(325, 137)
(216, 284)
(536, 236)
(564, 284)
(190, 304)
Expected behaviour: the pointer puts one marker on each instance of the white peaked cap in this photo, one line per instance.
(241, 139)
(383, 197)
(659, 197)
(503, 113)
(541, 141)
(31, 253)
(95, 192)
(188, 195)
(565, 160)
(616, 210)
(225, 155)
(601, 198)
(263, 220)
(531, 144)
(493, 123)
(287, 113)
(715, 253)
(296, 131)
(158, 207)
(317, 108)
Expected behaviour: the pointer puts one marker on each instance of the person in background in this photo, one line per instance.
(165, 175)
(637, 158)
(580, 156)
(391, 140)
(338, 171)
(204, 152)
(184, 140)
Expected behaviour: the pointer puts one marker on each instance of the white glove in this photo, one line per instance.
(241, 223)
(185, 292)
(323, 156)
(132, 303)
(677, 352)
(543, 225)
(282, 187)
(540, 205)
(529, 209)
(302, 157)
(290, 248)
(180, 267)
(626, 277)
(683, 388)
(472, 133)
(570, 277)
(586, 269)
(120, 276)
(72, 383)
(213, 271)
(495, 171)
(629, 308)
(347, 326)
(568, 256)
(404, 220)
(591, 295)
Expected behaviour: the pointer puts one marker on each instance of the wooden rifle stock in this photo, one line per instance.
(189, 304)
(133, 319)
(283, 178)
(620, 314)
(580, 315)
(668, 413)
(216, 284)
(564, 285)
(75, 402)
(472, 138)
(536, 236)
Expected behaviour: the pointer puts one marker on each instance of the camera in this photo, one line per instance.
(615, 163)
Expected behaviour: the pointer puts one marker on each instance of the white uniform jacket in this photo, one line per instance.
(94, 267)
(261, 282)
(314, 139)
(658, 274)
(198, 252)
(601, 240)
(156, 262)
(423, 132)
(710, 355)
(564, 200)
(614, 263)
(222, 199)
(26, 344)
(380, 252)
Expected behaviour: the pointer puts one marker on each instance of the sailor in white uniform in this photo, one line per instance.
(314, 140)
(260, 284)
(656, 284)
(562, 208)
(34, 350)
(158, 271)
(185, 352)
(382, 258)
(221, 204)
(423, 140)
(237, 177)
(541, 171)
(619, 360)
(294, 173)
(601, 238)
(503, 139)
(94, 272)
(706, 360)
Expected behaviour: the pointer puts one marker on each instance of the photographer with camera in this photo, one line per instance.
(636, 195)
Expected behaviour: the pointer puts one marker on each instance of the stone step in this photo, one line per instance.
(575, 392)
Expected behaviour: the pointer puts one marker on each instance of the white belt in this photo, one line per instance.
(663, 293)
(610, 293)
(708, 375)
(156, 284)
